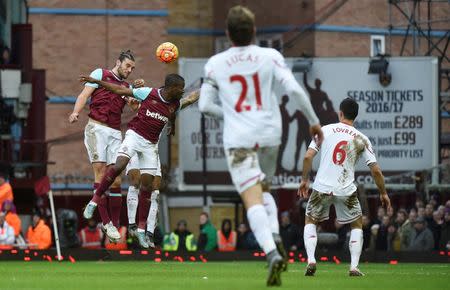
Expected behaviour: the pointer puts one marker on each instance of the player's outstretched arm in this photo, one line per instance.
(377, 175)
(116, 89)
(190, 99)
(307, 166)
(80, 103)
(207, 104)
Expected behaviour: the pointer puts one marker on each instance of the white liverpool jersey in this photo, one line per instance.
(342, 146)
(244, 78)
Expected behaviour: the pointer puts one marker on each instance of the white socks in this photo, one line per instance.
(132, 203)
(153, 211)
(310, 239)
(355, 245)
(272, 212)
(259, 223)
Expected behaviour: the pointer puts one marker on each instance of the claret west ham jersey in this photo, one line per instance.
(106, 107)
(153, 114)
(342, 146)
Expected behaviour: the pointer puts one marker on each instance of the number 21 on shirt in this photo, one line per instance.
(240, 107)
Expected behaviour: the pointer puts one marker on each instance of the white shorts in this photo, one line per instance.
(244, 168)
(348, 208)
(134, 164)
(102, 142)
(145, 151)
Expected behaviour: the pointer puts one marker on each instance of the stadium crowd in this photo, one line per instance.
(38, 235)
(423, 227)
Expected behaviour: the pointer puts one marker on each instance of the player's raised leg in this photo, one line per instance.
(100, 198)
(144, 207)
(134, 178)
(246, 175)
(153, 211)
(260, 225)
(115, 201)
(99, 170)
(115, 192)
(267, 157)
(95, 142)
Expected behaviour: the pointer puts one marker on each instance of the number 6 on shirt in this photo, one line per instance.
(239, 107)
(339, 153)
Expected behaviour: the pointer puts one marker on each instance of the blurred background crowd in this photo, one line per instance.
(422, 227)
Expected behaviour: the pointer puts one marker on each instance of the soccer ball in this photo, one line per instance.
(167, 52)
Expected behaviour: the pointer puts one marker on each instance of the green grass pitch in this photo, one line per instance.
(215, 276)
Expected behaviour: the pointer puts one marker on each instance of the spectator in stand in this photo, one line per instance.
(405, 227)
(67, 220)
(11, 216)
(290, 233)
(444, 243)
(381, 212)
(381, 243)
(39, 235)
(373, 236)
(246, 239)
(434, 201)
(419, 204)
(91, 236)
(429, 209)
(366, 232)
(421, 212)
(180, 240)
(226, 237)
(441, 210)
(413, 215)
(393, 238)
(207, 241)
(421, 237)
(436, 227)
(390, 213)
(7, 237)
(6, 192)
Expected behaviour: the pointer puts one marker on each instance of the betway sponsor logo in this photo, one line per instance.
(156, 116)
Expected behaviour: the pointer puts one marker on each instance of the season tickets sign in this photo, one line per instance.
(401, 120)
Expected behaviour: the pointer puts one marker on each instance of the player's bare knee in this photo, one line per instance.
(310, 220)
(99, 170)
(265, 186)
(134, 177)
(252, 196)
(146, 182)
(156, 184)
(121, 163)
(117, 182)
(357, 224)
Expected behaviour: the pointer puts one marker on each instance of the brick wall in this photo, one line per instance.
(67, 46)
